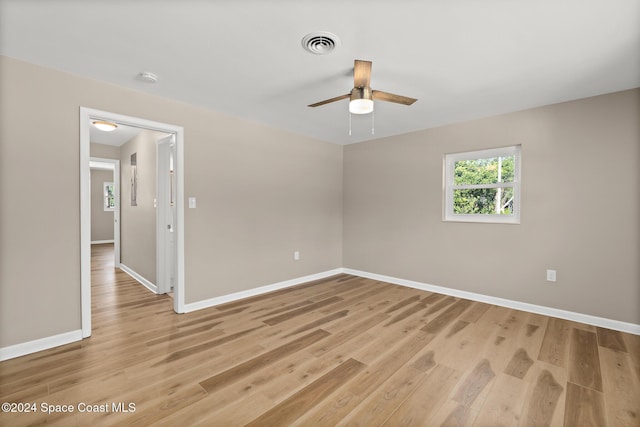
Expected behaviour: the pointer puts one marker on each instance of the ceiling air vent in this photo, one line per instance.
(148, 77)
(320, 42)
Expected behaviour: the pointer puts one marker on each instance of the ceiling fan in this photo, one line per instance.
(362, 96)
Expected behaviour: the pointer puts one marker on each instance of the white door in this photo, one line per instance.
(166, 242)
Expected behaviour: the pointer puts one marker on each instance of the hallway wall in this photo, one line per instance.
(101, 220)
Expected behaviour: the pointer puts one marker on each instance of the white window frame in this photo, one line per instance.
(449, 187)
(105, 192)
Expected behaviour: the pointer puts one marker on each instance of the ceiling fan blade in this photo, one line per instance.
(327, 101)
(390, 97)
(361, 73)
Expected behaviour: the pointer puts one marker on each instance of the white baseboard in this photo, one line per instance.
(34, 346)
(631, 328)
(100, 242)
(199, 305)
(144, 282)
(69, 337)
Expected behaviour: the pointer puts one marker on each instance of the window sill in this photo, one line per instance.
(484, 219)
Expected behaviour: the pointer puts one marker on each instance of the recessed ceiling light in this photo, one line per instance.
(105, 126)
(147, 76)
(320, 42)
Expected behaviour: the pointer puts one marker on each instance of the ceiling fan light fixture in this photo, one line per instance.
(105, 126)
(361, 101)
(361, 106)
(361, 96)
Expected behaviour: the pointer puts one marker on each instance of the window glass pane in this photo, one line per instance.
(110, 201)
(489, 201)
(484, 171)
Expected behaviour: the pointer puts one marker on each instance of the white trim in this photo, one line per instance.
(34, 346)
(178, 291)
(68, 337)
(100, 242)
(85, 223)
(531, 308)
(517, 305)
(101, 165)
(137, 277)
(166, 247)
(199, 305)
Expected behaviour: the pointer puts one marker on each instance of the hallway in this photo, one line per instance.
(115, 292)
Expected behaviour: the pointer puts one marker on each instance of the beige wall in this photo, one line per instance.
(104, 151)
(101, 220)
(138, 223)
(580, 208)
(262, 193)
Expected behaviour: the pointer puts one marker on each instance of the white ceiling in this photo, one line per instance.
(462, 59)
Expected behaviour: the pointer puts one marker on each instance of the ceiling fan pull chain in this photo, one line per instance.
(349, 113)
(373, 132)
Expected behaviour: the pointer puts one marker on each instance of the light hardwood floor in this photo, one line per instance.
(339, 351)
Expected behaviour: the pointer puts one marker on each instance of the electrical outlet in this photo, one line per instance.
(296, 255)
(551, 275)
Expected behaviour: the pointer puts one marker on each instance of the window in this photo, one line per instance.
(483, 186)
(109, 196)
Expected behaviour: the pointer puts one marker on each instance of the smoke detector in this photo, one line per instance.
(148, 77)
(320, 42)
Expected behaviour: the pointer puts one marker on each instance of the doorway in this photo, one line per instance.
(110, 201)
(87, 117)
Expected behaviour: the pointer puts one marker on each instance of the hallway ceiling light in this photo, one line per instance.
(105, 126)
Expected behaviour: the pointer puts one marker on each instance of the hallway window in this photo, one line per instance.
(109, 196)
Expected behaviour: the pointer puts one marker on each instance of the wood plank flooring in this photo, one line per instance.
(342, 351)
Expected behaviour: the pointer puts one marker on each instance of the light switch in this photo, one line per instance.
(192, 202)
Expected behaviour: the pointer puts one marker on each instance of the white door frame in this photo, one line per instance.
(116, 211)
(87, 115)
